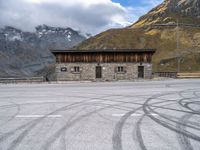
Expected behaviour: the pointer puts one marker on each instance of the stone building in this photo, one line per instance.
(103, 65)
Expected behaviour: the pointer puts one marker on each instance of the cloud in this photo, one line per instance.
(145, 6)
(152, 2)
(91, 16)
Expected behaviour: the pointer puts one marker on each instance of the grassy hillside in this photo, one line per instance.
(162, 38)
(157, 29)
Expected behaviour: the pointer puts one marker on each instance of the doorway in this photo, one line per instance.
(98, 72)
(140, 71)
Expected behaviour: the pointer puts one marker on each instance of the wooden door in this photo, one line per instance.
(98, 72)
(140, 71)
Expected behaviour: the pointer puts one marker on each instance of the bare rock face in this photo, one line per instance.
(170, 11)
(185, 7)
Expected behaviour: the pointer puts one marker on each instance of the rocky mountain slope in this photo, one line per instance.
(26, 53)
(185, 11)
(173, 28)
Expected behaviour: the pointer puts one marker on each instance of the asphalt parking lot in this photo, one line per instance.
(151, 115)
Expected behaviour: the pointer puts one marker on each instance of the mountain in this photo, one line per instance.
(27, 53)
(58, 38)
(173, 28)
(186, 11)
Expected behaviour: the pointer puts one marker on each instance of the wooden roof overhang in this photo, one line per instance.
(105, 51)
(104, 55)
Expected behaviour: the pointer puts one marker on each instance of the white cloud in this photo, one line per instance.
(152, 2)
(138, 11)
(90, 16)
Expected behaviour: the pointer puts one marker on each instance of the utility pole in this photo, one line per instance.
(178, 47)
(179, 52)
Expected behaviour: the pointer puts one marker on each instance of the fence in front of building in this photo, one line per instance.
(188, 75)
(22, 79)
(165, 74)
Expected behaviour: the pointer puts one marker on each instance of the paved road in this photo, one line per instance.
(152, 115)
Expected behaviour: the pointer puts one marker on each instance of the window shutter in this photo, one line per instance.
(72, 69)
(80, 69)
(116, 69)
(125, 69)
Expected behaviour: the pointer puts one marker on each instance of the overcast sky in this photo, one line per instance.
(92, 16)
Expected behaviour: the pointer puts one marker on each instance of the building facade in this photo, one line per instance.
(103, 65)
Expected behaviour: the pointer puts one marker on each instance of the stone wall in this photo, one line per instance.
(109, 71)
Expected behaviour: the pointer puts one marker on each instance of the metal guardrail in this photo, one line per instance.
(180, 25)
(22, 80)
(169, 26)
(188, 75)
(165, 74)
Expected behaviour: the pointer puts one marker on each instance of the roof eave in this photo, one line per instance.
(103, 50)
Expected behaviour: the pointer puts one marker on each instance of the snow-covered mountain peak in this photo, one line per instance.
(44, 30)
(12, 34)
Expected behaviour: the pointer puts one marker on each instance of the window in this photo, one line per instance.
(76, 69)
(63, 69)
(120, 69)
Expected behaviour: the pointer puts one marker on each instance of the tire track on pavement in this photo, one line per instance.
(147, 109)
(117, 133)
(32, 124)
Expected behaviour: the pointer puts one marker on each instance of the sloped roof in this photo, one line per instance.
(104, 50)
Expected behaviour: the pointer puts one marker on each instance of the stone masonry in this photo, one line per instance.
(87, 71)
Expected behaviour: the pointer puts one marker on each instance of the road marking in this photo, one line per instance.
(38, 116)
(133, 115)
